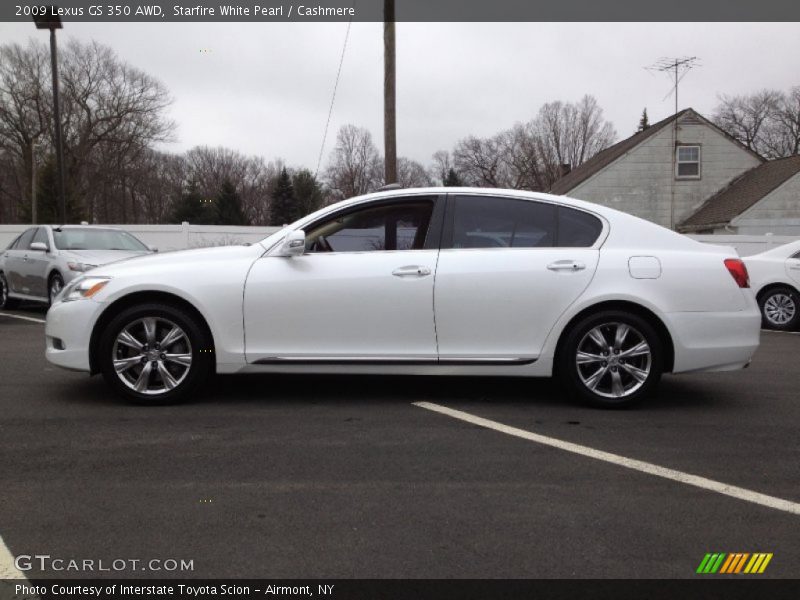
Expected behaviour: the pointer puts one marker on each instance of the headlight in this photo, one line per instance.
(79, 266)
(83, 287)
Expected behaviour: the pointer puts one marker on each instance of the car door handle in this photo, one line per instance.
(411, 271)
(566, 265)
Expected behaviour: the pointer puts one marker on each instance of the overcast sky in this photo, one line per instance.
(265, 88)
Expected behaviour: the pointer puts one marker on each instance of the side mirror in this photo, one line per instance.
(39, 246)
(153, 249)
(294, 244)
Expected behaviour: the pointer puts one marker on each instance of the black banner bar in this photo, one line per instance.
(703, 587)
(158, 11)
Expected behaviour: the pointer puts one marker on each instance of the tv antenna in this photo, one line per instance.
(676, 68)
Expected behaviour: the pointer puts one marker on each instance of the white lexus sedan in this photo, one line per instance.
(776, 283)
(423, 281)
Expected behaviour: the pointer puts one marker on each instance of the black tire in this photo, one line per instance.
(195, 343)
(780, 308)
(633, 372)
(6, 302)
(55, 283)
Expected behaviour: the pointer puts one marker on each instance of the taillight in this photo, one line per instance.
(738, 271)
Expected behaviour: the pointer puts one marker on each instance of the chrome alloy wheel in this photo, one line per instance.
(613, 360)
(3, 291)
(152, 355)
(779, 309)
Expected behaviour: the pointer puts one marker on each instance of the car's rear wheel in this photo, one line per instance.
(54, 286)
(611, 359)
(155, 354)
(780, 308)
(5, 300)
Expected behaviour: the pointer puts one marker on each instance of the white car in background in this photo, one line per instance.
(420, 281)
(775, 278)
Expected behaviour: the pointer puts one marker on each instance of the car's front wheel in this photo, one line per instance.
(155, 354)
(611, 359)
(5, 301)
(54, 286)
(780, 309)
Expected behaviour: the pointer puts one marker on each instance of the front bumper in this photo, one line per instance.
(68, 331)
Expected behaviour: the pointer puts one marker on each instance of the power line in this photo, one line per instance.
(333, 98)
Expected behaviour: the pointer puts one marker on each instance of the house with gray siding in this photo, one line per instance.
(675, 173)
(765, 199)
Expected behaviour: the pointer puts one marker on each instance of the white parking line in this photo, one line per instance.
(777, 331)
(2, 314)
(616, 459)
(7, 568)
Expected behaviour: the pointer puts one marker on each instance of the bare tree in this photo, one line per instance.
(410, 173)
(782, 135)
(477, 160)
(355, 166)
(111, 113)
(570, 134)
(440, 169)
(24, 119)
(747, 118)
(531, 155)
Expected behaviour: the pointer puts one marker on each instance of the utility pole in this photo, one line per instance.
(676, 68)
(33, 182)
(52, 21)
(389, 112)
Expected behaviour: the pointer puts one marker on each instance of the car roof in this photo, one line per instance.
(100, 227)
(484, 191)
(782, 251)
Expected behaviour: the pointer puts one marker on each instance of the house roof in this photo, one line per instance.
(605, 157)
(742, 193)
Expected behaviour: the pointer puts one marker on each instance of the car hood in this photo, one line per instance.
(101, 257)
(180, 261)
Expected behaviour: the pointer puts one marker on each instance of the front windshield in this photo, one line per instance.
(96, 239)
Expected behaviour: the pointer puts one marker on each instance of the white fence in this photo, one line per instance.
(178, 237)
(173, 237)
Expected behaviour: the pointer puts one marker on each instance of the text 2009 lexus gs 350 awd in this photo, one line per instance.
(421, 281)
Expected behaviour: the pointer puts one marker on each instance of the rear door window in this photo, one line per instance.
(493, 222)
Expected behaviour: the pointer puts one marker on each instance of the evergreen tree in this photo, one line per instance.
(47, 202)
(285, 208)
(308, 192)
(228, 206)
(452, 179)
(644, 122)
(192, 207)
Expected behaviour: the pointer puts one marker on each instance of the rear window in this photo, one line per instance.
(577, 229)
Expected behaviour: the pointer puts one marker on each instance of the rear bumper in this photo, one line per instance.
(714, 341)
(68, 331)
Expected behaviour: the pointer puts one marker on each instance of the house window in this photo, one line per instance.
(687, 161)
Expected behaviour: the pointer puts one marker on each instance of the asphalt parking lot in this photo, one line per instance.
(345, 477)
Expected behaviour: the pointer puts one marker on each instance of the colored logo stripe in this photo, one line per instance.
(720, 562)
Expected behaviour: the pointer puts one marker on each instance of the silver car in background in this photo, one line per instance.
(43, 259)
